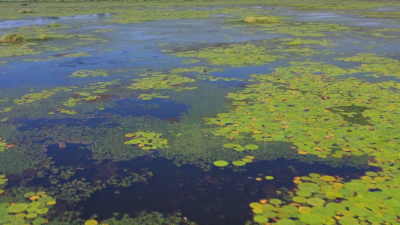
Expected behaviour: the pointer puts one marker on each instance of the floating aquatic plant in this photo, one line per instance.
(28, 98)
(3, 182)
(3, 144)
(54, 25)
(161, 81)
(234, 55)
(147, 140)
(11, 38)
(221, 163)
(301, 88)
(262, 19)
(91, 222)
(90, 73)
(151, 96)
(374, 65)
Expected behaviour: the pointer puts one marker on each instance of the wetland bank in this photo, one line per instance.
(199, 112)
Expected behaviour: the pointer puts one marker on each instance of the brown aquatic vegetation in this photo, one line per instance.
(26, 11)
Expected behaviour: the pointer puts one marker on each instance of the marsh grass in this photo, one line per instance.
(25, 11)
(53, 25)
(11, 38)
(262, 19)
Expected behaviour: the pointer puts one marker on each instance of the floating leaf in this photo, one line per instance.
(299, 199)
(239, 163)
(310, 187)
(315, 202)
(305, 210)
(327, 178)
(18, 208)
(221, 163)
(260, 219)
(310, 219)
(251, 147)
(285, 222)
(275, 201)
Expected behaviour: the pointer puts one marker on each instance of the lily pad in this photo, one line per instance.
(18, 208)
(355, 186)
(310, 187)
(221, 163)
(239, 163)
(310, 219)
(299, 199)
(285, 222)
(315, 202)
(251, 147)
(260, 219)
(42, 210)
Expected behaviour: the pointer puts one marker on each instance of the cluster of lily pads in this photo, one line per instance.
(3, 182)
(28, 98)
(89, 93)
(301, 29)
(212, 78)
(305, 109)
(147, 140)
(308, 104)
(240, 148)
(44, 94)
(240, 162)
(8, 109)
(90, 73)
(374, 65)
(323, 199)
(237, 55)
(65, 111)
(27, 213)
(3, 144)
(161, 81)
(266, 177)
(151, 96)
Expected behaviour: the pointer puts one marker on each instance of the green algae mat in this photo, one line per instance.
(199, 112)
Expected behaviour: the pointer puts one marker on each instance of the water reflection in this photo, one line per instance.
(7, 24)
